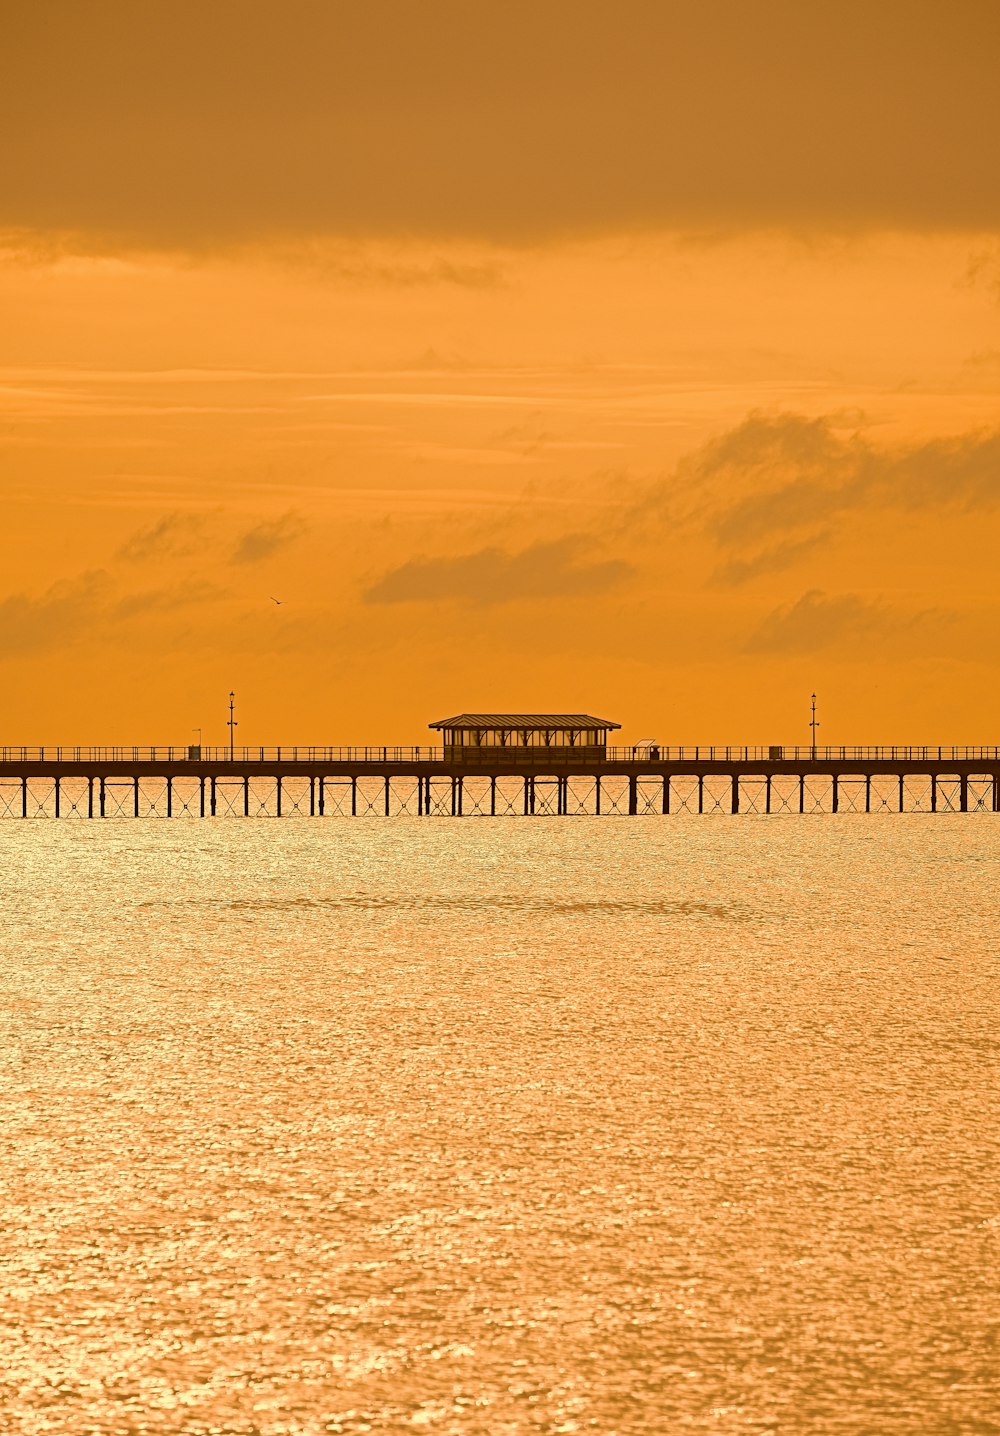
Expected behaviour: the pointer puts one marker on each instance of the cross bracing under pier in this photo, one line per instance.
(160, 783)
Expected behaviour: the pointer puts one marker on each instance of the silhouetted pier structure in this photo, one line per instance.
(495, 765)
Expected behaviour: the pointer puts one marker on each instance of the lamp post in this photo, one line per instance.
(231, 725)
(813, 725)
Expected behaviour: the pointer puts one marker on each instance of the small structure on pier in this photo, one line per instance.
(520, 737)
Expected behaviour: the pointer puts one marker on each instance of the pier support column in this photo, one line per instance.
(597, 796)
(90, 797)
(868, 792)
(312, 796)
(633, 796)
(24, 798)
(666, 794)
(170, 797)
(322, 794)
(103, 797)
(212, 797)
(735, 804)
(802, 792)
(996, 792)
(135, 797)
(836, 793)
(767, 794)
(963, 793)
(278, 795)
(934, 793)
(562, 796)
(701, 794)
(57, 794)
(387, 795)
(201, 797)
(354, 796)
(493, 797)
(902, 791)
(246, 797)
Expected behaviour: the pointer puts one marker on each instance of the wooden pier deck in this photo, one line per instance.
(390, 780)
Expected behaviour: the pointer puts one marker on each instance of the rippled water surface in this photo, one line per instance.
(609, 1125)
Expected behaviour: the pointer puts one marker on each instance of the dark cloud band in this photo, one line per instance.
(174, 123)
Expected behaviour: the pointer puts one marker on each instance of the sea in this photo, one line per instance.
(488, 1127)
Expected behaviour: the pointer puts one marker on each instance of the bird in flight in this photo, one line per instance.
(278, 601)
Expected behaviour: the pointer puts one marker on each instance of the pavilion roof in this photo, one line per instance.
(536, 722)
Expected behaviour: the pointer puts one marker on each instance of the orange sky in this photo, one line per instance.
(638, 359)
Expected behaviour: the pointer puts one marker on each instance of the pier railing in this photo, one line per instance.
(781, 753)
(394, 753)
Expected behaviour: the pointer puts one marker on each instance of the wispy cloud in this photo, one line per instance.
(558, 569)
(267, 538)
(821, 620)
(983, 271)
(367, 268)
(166, 600)
(87, 606)
(172, 536)
(57, 616)
(776, 559)
(792, 473)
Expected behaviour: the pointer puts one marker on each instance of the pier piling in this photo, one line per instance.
(133, 782)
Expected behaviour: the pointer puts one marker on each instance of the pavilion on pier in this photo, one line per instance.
(520, 737)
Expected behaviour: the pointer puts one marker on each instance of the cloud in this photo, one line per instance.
(165, 600)
(267, 538)
(141, 125)
(492, 576)
(983, 359)
(57, 617)
(821, 620)
(170, 537)
(983, 271)
(364, 269)
(736, 571)
(81, 607)
(794, 472)
(177, 535)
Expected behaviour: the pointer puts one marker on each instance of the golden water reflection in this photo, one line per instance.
(568, 1125)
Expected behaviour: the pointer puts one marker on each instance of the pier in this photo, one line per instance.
(387, 781)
